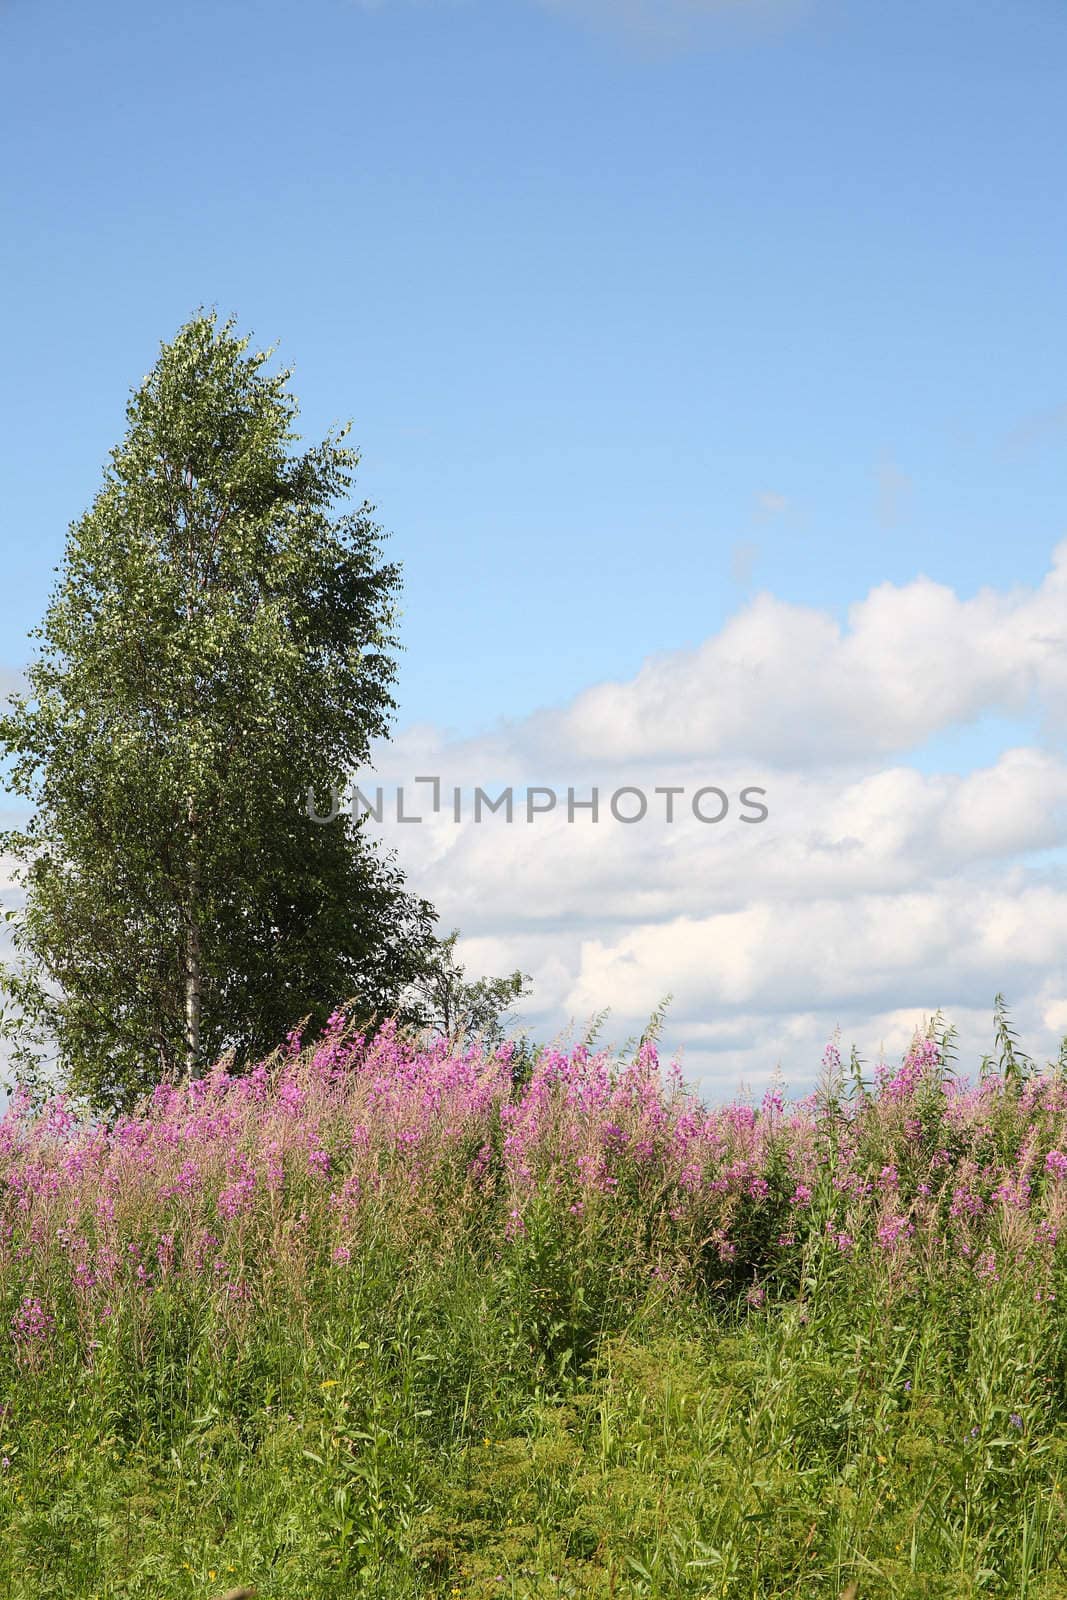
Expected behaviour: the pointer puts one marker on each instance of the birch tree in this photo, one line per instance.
(444, 1001)
(220, 640)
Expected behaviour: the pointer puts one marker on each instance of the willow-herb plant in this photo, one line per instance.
(218, 643)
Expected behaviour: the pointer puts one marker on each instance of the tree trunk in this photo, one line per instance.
(192, 953)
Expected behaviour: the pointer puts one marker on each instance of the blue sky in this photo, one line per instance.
(641, 311)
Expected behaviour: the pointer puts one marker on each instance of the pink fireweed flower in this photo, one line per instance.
(203, 1244)
(106, 1265)
(849, 1183)
(290, 1097)
(392, 1123)
(165, 1253)
(1014, 1191)
(31, 1326)
(773, 1104)
(274, 1171)
(480, 1165)
(346, 1200)
(59, 1119)
(893, 1230)
(187, 1181)
(237, 1197)
(257, 1084)
(319, 1162)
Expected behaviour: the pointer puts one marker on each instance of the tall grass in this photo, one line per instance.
(384, 1320)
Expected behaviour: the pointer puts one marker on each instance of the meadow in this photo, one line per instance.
(379, 1318)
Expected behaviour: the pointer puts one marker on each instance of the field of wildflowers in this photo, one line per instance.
(384, 1319)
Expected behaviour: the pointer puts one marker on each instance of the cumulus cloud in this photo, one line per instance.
(790, 684)
(874, 892)
(792, 687)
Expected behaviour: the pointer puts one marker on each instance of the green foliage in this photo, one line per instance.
(442, 1000)
(408, 1428)
(650, 1033)
(1014, 1065)
(219, 642)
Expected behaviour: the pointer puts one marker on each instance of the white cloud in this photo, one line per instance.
(788, 684)
(791, 687)
(873, 894)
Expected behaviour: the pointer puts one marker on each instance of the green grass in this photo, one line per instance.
(412, 1427)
